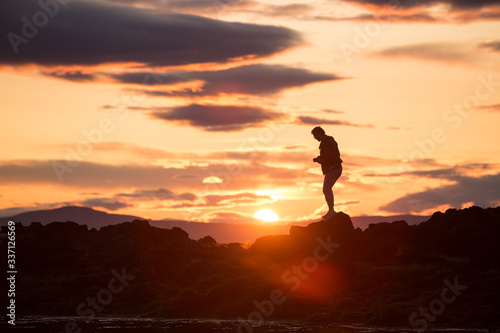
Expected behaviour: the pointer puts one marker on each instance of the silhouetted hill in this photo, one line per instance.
(364, 222)
(222, 232)
(81, 215)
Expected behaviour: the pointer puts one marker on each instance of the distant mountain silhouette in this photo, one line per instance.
(364, 222)
(81, 215)
(221, 232)
(327, 271)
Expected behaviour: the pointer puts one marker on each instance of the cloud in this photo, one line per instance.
(256, 79)
(114, 202)
(129, 151)
(218, 117)
(75, 76)
(212, 8)
(360, 161)
(151, 78)
(157, 194)
(393, 4)
(89, 175)
(385, 17)
(456, 4)
(494, 45)
(123, 200)
(189, 6)
(134, 151)
(452, 173)
(446, 173)
(227, 200)
(98, 176)
(493, 107)
(106, 203)
(246, 197)
(445, 11)
(295, 10)
(307, 120)
(91, 33)
(332, 111)
(472, 3)
(230, 218)
(442, 52)
(482, 191)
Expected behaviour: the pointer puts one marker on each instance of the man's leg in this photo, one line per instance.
(330, 180)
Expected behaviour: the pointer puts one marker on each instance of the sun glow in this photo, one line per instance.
(266, 215)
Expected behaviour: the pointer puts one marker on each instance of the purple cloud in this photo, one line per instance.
(92, 33)
(218, 117)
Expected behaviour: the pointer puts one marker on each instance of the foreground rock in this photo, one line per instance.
(443, 272)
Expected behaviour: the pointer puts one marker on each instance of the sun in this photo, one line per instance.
(266, 215)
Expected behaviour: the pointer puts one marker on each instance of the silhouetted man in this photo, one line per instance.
(331, 165)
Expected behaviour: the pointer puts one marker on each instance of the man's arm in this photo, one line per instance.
(319, 159)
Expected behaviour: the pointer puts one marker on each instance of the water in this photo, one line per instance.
(155, 325)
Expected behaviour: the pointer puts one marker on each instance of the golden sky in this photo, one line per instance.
(202, 110)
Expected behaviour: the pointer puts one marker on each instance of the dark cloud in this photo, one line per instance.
(489, 15)
(306, 120)
(493, 107)
(90, 33)
(494, 45)
(453, 173)
(457, 4)
(385, 18)
(212, 8)
(394, 4)
(197, 6)
(106, 203)
(332, 111)
(445, 173)
(482, 191)
(157, 194)
(218, 117)
(150, 78)
(257, 79)
(75, 76)
(472, 3)
(459, 11)
(443, 52)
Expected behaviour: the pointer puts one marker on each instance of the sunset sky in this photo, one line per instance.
(202, 109)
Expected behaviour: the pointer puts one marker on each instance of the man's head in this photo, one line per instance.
(318, 133)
